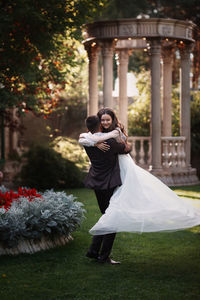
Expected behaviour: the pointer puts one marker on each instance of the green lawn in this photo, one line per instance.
(158, 266)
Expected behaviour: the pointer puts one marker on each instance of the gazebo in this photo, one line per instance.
(165, 156)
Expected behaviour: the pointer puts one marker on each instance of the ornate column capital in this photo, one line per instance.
(92, 51)
(123, 55)
(167, 54)
(155, 46)
(185, 50)
(107, 47)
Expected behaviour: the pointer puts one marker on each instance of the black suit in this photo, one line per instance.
(104, 177)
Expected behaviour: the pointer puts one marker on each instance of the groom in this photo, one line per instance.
(103, 178)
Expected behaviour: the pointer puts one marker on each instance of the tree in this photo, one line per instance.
(116, 9)
(36, 41)
(139, 61)
(139, 113)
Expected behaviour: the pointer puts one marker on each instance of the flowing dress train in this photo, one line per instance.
(144, 204)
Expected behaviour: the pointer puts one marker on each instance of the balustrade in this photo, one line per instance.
(173, 151)
(141, 150)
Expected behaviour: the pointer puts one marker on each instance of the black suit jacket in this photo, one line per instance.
(104, 172)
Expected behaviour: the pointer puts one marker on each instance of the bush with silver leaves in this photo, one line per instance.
(55, 214)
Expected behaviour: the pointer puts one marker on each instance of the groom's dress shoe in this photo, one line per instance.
(92, 254)
(109, 261)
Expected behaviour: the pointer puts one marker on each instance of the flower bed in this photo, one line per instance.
(32, 221)
(7, 197)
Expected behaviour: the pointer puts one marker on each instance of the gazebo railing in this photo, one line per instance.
(173, 151)
(141, 150)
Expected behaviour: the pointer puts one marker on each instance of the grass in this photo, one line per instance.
(188, 191)
(158, 266)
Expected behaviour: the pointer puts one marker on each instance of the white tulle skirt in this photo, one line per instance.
(144, 204)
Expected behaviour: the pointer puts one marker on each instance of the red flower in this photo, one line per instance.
(8, 197)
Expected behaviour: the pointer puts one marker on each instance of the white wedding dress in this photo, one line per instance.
(142, 203)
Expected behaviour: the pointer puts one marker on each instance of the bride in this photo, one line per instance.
(142, 203)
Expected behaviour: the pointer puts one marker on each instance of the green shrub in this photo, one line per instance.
(70, 149)
(45, 168)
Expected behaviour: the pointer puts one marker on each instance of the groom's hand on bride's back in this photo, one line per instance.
(103, 146)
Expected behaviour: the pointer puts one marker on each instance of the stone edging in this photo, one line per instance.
(32, 246)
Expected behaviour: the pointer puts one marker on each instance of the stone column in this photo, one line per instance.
(185, 126)
(14, 133)
(92, 51)
(2, 134)
(167, 55)
(155, 104)
(123, 99)
(107, 52)
(7, 141)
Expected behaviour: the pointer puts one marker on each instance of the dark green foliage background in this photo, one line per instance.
(47, 169)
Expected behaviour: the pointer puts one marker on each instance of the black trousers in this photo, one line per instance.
(102, 244)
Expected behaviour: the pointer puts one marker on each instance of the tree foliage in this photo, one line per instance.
(195, 122)
(116, 9)
(139, 61)
(139, 112)
(36, 41)
(177, 9)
